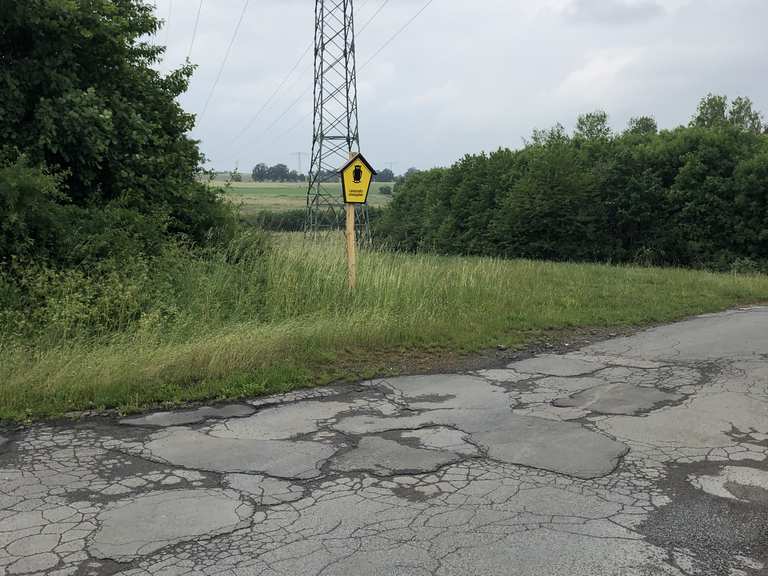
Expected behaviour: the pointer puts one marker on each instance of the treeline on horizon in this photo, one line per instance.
(694, 196)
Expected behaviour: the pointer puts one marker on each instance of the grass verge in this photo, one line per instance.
(305, 328)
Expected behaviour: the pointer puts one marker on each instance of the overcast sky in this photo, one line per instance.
(467, 75)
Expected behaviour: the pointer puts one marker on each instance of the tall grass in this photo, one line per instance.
(249, 320)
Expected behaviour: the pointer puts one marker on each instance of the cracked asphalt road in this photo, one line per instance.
(641, 455)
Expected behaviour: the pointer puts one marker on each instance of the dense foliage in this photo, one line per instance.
(173, 292)
(295, 219)
(94, 151)
(280, 220)
(692, 196)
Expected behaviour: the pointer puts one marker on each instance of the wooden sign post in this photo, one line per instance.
(356, 178)
(351, 246)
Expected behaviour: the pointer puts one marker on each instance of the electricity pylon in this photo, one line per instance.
(335, 133)
(299, 156)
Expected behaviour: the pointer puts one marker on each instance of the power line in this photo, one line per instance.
(292, 128)
(364, 26)
(167, 31)
(194, 30)
(154, 15)
(396, 34)
(309, 88)
(255, 117)
(226, 57)
(168, 23)
(248, 125)
(375, 54)
(291, 107)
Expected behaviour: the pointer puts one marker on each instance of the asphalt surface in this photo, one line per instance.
(641, 455)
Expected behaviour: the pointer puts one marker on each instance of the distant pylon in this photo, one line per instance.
(299, 156)
(335, 133)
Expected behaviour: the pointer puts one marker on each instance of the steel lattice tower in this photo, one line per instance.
(335, 128)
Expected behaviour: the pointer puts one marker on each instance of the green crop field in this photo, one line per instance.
(254, 197)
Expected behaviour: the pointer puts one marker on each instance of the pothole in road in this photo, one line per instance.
(623, 398)
(736, 483)
(405, 452)
(718, 513)
(140, 526)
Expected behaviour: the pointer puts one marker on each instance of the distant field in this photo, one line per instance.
(254, 197)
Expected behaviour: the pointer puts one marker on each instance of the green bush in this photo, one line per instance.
(294, 220)
(170, 292)
(38, 223)
(30, 216)
(695, 196)
(280, 221)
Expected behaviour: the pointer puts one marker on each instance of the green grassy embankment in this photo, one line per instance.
(230, 328)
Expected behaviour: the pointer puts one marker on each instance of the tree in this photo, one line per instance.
(642, 125)
(593, 126)
(260, 173)
(80, 98)
(712, 112)
(742, 115)
(408, 173)
(278, 173)
(715, 112)
(385, 175)
(692, 196)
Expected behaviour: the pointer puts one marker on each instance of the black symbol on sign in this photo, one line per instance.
(357, 175)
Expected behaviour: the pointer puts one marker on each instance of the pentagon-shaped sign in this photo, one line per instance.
(356, 178)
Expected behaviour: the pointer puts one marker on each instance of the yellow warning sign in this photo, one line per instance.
(356, 179)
